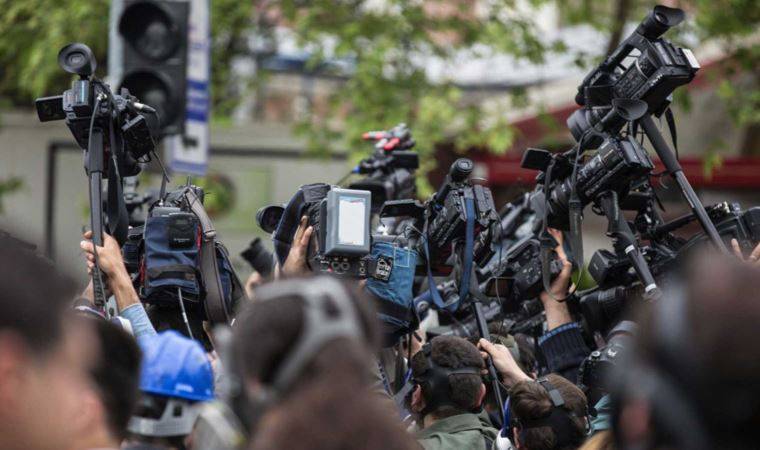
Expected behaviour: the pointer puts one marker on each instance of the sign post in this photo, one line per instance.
(189, 153)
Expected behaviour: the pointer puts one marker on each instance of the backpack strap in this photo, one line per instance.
(214, 304)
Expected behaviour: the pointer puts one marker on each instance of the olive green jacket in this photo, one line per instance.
(460, 432)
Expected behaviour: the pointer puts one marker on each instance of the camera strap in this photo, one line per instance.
(469, 210)
(214, 304)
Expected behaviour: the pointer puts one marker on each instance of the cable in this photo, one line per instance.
(184, 314)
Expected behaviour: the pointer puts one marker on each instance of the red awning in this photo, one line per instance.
(734, 173)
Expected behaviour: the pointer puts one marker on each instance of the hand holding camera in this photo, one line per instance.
(295, 264)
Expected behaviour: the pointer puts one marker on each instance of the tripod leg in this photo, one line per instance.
(674, 168)
(625, 241)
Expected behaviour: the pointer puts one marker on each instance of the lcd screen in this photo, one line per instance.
(351, 216)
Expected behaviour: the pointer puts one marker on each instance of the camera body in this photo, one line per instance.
(390, 170)
(446, 216)
(643, 67)
(619, 162)
(91, 104)
(596, 369)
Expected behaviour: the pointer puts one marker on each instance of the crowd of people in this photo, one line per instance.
(300, 367)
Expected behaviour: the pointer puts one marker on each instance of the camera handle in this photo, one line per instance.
(94, 166)
(674, 169)
(624, 240)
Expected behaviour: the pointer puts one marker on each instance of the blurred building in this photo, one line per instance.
(260, 161)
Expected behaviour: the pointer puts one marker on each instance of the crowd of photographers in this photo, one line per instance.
(302, 366)
(383, 322)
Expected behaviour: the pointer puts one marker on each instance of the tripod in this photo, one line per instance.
(674, 169)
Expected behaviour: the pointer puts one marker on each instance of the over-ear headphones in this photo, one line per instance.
(436, 381)
(559, 419)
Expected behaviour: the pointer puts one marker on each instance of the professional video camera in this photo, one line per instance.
(643, 67)
(454, 229)
(618, 289)
(648, 68)
(443, 220)
(115, 134)
(97, 117)
(390, 169)
(618, 164)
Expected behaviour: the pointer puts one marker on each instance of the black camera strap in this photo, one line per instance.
(116, 211)
(214, 304)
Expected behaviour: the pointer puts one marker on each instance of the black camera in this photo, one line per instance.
(447, 215)
(90, 105)
(390, 170)
(259, 257)
(596, 369)
(643, 67)
(619, 162)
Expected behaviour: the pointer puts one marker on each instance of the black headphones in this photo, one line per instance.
(435, 380)
(559, 419)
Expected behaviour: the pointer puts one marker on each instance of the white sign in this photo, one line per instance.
(189, 153)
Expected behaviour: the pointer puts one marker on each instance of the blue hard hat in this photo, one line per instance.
(176, 366)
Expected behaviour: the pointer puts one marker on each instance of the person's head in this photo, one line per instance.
(447, 377)
(314, 340)
(692, 379)
(301, 333)
(44, 358)
(115, 377)
(548, 414)
(175, 376)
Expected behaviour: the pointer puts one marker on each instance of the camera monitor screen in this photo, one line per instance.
(351, 220)
(347, 214)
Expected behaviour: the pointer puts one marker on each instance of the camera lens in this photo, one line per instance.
(76, 59)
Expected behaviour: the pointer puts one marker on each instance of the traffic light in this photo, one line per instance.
(154, 36)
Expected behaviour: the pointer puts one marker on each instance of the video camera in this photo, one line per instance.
(90, 106)
(619, 162)
(390, 169)
(442, 220)
(643, 67)
(114, 132)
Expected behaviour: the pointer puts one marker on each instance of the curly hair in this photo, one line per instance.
(453, 352)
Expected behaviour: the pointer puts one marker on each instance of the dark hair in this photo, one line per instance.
(452, 352)
(34, 297)
(265, 332)
(705, 351)
(116, 374)
(529, 400)
(331, 404)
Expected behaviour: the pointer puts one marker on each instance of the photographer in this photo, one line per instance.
(306, 381)
(175, 378)
(115, 376)
(119, 283)
(548, 414)
(44, 355)
(540, 419)
(692, 378)
(562, 346)
(448, 395)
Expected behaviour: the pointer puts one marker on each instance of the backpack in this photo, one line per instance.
(182, 262)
